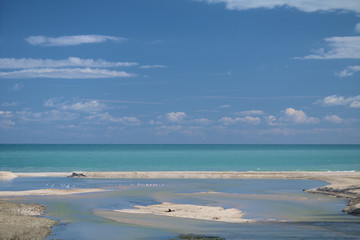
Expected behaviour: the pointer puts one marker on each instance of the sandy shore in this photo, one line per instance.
(331, 177)
(22, 221)
(52, 191)
(190, 211)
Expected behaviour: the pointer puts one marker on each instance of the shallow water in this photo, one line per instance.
(267, 201)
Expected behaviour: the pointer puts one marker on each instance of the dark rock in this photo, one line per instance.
(353, 207)
(197, 237)
(77, 175)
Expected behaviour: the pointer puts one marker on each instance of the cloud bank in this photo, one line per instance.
(297, 116)
(339, 48)
(70, 40)
(152, 66)
(335, 100)
(10, 63)
(65, 73)
(333, 119)
(301, 5)
(247, 119)
(349, 71)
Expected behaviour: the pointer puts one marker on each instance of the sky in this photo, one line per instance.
(180, 71)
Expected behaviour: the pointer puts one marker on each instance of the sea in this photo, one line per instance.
(182, 157)
(279, 207)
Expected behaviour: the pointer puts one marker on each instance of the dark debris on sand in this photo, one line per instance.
(77, 175)
(196, 237)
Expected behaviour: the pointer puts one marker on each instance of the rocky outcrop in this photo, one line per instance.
(21, 221)
(351, 192)
(353, 207)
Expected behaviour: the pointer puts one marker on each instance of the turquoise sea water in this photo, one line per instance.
(67, 157)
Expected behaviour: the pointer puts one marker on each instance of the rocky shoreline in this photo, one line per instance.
(350, 192)
(23, 221)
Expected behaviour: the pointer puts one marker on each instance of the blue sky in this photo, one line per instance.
(179, 71)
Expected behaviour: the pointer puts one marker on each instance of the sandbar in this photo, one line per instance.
(210, 213)
(45, 192)
(331, 177)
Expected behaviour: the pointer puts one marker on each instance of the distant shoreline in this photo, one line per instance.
(328, 176)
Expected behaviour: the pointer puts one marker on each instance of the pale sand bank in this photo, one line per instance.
(333, 177)
(45, 192)
(5, 175)
(190, 211)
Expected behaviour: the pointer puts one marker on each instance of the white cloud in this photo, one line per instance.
(165, 130)
(92, 106)
(52, 115)
(106, 117)
(175, 116)
(7, 63)
(302, 5)
(9, 104)
(250, 113)
(333, 119)
(85, 106)
(271, 120)
(227, 120)
(201, 121)
(357, 28)
(297, 117)
(5, 122)
(178, 118)
(349, 71)
(334, 100)
(248, 120)
(70, 40)
(340, 48)
(51, 102)
(355, 104)
(152, 66)
(6, 114)
(65, 73)
(5, 119)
